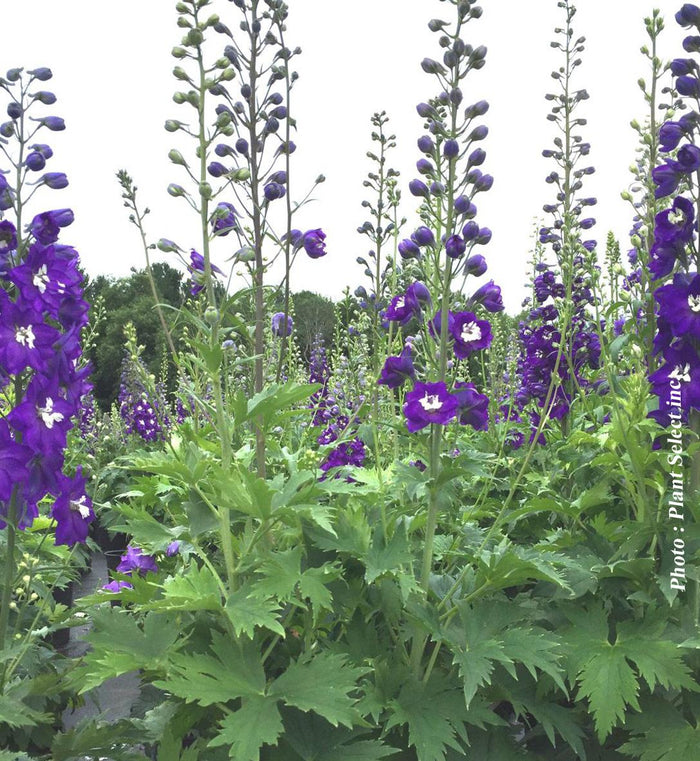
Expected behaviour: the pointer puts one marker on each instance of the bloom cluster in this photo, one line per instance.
(674, 255)
(42, 314)
(143, 413)
(559, 341)
(329, 413)
(450, 179)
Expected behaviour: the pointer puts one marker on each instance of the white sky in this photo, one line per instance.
(112, 75)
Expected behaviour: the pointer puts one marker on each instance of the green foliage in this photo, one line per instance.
(129, 299)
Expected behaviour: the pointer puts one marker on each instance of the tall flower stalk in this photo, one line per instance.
(443, 249)
(43, 313)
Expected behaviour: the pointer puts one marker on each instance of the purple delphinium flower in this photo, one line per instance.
(397, 370)
(72, 510)
(402, 308)
(489, 295)
(278, 324)
(429, 403)
(117, 586)
(136, 560)
(197, 272)
(679, 305)
(473, 407)
(224, 219)
(173, 548)
(314, 243)
(469, 334)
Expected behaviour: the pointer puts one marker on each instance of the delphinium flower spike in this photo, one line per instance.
(42, 313)
(560, 341)
(675, 257)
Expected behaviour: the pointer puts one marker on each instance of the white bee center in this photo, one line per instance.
(470, 332)
(676, 217)
(80, 506)
(48, 415)
(41, 279)
(431, 402)
(400, 303)
(694, 303)
(25, 336)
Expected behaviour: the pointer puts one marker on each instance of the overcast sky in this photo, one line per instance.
(112, 75)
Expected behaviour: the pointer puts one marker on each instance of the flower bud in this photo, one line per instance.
(14, 110)
(35, 161)
(245, 254)
(426, 144)
(211, 315)
(479, 133)
(478, 109)
(423, 236)
(242, 146)
(167, 246)
(42, 74)
(418, 188)
(55, 180)
(241, 175)
(177, 158)
(172, 125)
(408, 249)
(450, 149)
(175, 190)
(54, 123)
(455, 247)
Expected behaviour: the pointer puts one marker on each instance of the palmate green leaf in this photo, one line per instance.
(120, 645)
(509, 565)
(9, 755)
(94, 741)
(552, 717)
(275, 398)
(610, 685)
(664, 743)
(246, 610)
(535, 649)
(323, 684)
(231, 670)
(477, 660)
(312, 738)
(658, 660)
(15, 713)
(256, 723)
(281, 572)
(435, 715)
(493, 632)
(313, 586)
(385, 558)
(193, 589)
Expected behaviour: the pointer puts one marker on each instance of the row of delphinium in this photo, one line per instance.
(43, 498)
(365, 565)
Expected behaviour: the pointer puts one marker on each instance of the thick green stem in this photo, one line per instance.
(8, 578)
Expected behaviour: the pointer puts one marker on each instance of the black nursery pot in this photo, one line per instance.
(113, 546)
(60, 638)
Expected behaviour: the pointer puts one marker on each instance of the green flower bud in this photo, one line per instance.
(175, 190)
(205, 190)
(211, 315)
(176, 157)
(172, 125)
(184, 23)
(228, 74)
(241, 175)
(178, 52)
(182, 8)
(245, 254)
(194, 38)
(626, 195)
(180, 73)
(179, 98)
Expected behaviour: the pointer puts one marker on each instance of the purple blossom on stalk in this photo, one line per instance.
(224, 219)
(278, 324)
(473, 407)
(397, 370)
(197, 272)
(679, 305)
(489, 296)
(72, 510)
(429, 403)
(469, 334)
(136, 560)
(313, 243)
(403, 308)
